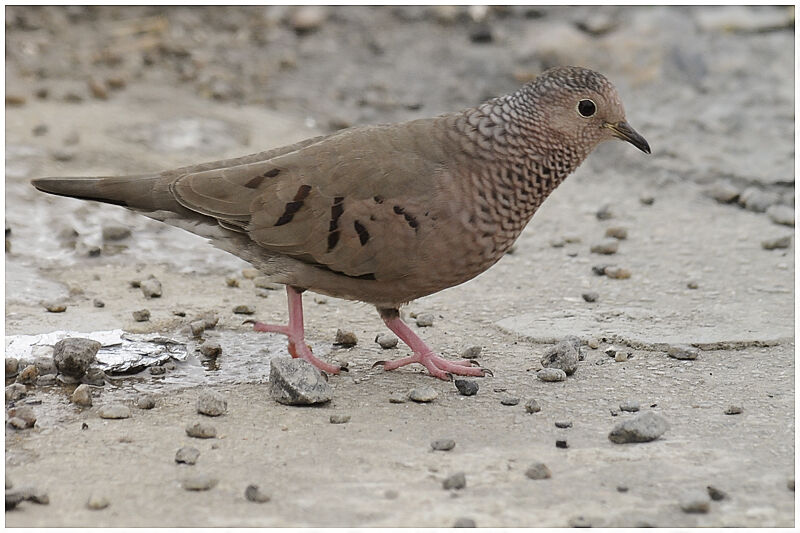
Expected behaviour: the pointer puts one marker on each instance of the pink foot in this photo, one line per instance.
(296, 333)
(437, 366)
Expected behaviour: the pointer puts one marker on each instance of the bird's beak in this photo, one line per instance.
(624, 131)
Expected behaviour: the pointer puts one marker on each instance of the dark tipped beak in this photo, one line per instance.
(624, 131)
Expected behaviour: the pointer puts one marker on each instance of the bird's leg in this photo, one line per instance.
(437, 366)
(296, 332)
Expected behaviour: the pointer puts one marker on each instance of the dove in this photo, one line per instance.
(385, 214)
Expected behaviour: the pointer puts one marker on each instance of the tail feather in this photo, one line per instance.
(143, 192)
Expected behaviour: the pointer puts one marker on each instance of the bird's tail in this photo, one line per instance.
(145, 192)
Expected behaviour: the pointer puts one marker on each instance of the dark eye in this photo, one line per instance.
(586, 108)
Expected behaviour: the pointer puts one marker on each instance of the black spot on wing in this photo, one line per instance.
(363, 234)
(294, 206)
(333, 228)
(411, 220)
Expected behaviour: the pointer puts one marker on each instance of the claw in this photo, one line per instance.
(378, 363)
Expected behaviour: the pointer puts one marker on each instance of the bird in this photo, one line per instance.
(384, 214)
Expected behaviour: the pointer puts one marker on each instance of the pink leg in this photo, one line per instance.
(296, 332)
(423, 355)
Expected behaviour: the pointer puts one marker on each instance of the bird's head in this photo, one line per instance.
(581, 106)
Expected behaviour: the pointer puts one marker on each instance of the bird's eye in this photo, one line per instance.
(586, 108)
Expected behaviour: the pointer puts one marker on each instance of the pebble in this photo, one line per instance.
(593, 343)
(307, 19)
(590, 296)
(15, 100)
(12, 366)
(197, 327)
(723, 192)
(250, 273)
(622, 488)
(98, 303)
(63, 155)
(472, 352)
(15, 391)
(199, 482)
(683, 352)
(39, 130)
(509, 400)
(464, 522)
(424, 320)
(466, 387)
(538, 471)
(532, 406)
(145, 401)
(644, 427)
(97, 502)
(647, 199)
(562, 444)
(345, 338)
(692, 284)
(297, 382)
(790, 484)
(778, 243)
(211, 403)
(734, 410)
(21, 417)
(391, 494)
(716, 494)
(115, 233)
(94, 376)
(55, 307)
(210, 349)
(617, 232)
(423, 394)
(28, 375)
(94, 251)
(243, 310)
(15, 497)
(82, 396)
(209, 320)
(232, 282)
(187, 455)
(551, 374)
(606, 247)
(695, 501)
(157, 370)
(253, 494)
(563, 424)
(562, 356)
(456, 482)
(443, 445)
(135, 283)
(579, 521)
(114, 411)
(615, 272)
(621, 357)
(631, 406)
(339, 419)
(97, 89)
(386, 341)
(201, 430)
(398, 397)
(604, 213)
(142, 315)
(756, 200)
(151, 288)
(781, 214)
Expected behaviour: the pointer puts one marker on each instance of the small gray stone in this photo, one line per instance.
(593, 343)
(617, 232)
(114, 411)
(339, 419)
(345, 338)
(82, 396)
(551, 374)
(647, 199)
(201, 430)
(142, 315)
(297, 382)
(464, 522)
(197, 327)
(590, 296)
(28, 375)
(210, 350)
(45, 365)
(211, 403)
(778, 243)
(473, 352)
(21, 417)
(734, 410)
(94, 376)
(97, 502)
(151, 288)
(443, 445)
(692, 284)
(386, 341)
(716, 494)
(456, 482)
(757, 200)
(424, 320)
(466, 387)
(563, 356)
(306, 19)
(683, 352)
(611, 351)
(604, 213)
(15, 391)
(199, 482)
(622, 488)
(73, 356)
(781, 214)
(723, 192)
(645, 427)
(615, 272)
(538, 471)
(398, 397)
(98, 303)
(532, 406)
(253, 494)
(695, 501)
(606, 247)
(509, 400)
(187, 455)
(12, 367)
(562, 444)
(46, 380)
(157, 370)
(243, 310)
(145, 401)
(423, 394)
(563, 424)
(115, 233)
(232, 282)
(599, 270)
(621, 357)
(630, 406)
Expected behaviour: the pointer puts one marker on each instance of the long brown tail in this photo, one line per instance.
(144, 192)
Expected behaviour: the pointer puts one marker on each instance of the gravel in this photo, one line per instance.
(74, 355)
(199, 482)
(509, 400)
(605, 247)
(151, 288)
(94, 376)
(472, 352)
(532, 406)
(563, 356)
(187, 455)
(142, 315)
(297, 382)
(723, 192)
(695, 501)
(423, 394)
(28, 375)
(386, 341)
(645, 427)
(778, 243)
(12, 367)
(630, 406)
(254, 494)
(201, 430)
(398, 397)
(82, 396)
(562, 444)
(617, 232)
(615, 272)
(538, 471)
(197, 328)
(466, 387)
(21, 417)
(339, 419)
(604, 213)
(683, 352)
(551, 374)
(211, 350)
(211, 403)
(734, 410)
(781, 214)
(97, 502)
(15, 391)
(590, 296)
(716, 494)
(457, 481)
(424, 320)
(345, 338)
(55, 307)
(243, 310)
(145, 401)
(45, 365)
(443, 445)
(563, 424)
(757, 200)
(114, 411)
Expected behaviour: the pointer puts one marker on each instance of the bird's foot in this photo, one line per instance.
(438, 366)
(297, 346)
